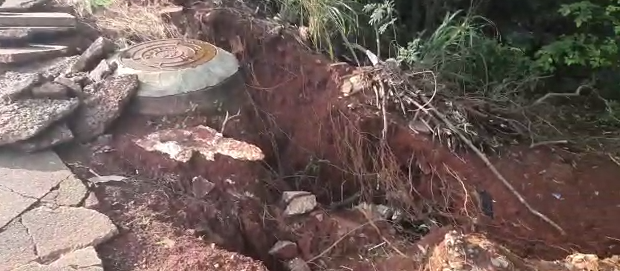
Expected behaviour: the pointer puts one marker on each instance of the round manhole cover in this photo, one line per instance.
(170, 54)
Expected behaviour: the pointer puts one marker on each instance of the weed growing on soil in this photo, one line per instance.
(327, 20)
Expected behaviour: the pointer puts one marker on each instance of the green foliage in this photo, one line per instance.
(459, 51)
(594, 43)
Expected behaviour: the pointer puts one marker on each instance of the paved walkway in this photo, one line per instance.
(44, 224)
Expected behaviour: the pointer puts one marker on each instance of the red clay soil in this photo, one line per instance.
(298, 91)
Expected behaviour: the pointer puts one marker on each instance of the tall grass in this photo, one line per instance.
(329, 22)
(460, 51)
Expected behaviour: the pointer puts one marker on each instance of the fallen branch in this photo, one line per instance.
(488, 163)
(555, 94)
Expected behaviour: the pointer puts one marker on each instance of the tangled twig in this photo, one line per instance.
(228, 118)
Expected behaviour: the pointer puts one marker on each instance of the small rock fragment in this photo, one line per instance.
(25, 119)
(51, 90)
(103, 104)
(299, 202)
(106, 179)
(91, 202)
(284, 250)
(103, 70)
(298, 264)
(57, 134)
(97, 51)
(201, 186)
(60, 230)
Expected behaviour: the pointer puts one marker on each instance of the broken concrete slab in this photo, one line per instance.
(14, 85)
(49, 19)
(31, 52)
(25, 119)
(60, 230)
(22, 5)
(85, 259)
(57, 134)
(13, 204)
(20, 35)
(104, 103)
(31, 175)
(71, 192)
(93, 55)
(16, 246)
(50, 90)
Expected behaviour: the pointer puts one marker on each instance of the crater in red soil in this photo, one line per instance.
(298, 118)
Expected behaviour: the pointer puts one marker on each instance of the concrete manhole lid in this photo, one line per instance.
(181, 75)
(176, 66)
(168, 54)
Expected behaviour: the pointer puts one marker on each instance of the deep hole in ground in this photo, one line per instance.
(313, 141)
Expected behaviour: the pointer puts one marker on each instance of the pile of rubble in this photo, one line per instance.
(70, 98)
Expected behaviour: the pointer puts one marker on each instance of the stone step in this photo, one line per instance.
(32, 52)
(18, 35)
(48, 19)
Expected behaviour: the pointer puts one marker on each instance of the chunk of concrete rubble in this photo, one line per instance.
(57, 134)
(103, 70)
(57, 19)
(50, 90)
(60, 230)
(25, 178)
(298, 202)
(180, 144)
(70, 192)
(31, 52)
(298, 264)
(104, 103)
(16, 246)
(96, 52)
(24, 119)
(75, 89)
(85, 259)
(284, 250)
(14, 85)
